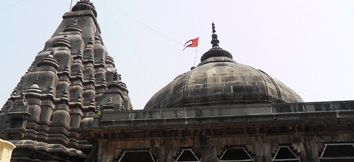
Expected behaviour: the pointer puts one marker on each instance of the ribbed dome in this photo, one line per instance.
(219, 80)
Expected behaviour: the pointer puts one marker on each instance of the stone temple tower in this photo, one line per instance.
(68, 84)
(72, 106)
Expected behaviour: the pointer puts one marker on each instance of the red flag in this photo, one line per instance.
(192, 43)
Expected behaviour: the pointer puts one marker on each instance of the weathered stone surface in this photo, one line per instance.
(261, 129)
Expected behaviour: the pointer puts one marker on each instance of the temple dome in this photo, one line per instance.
(219, 80)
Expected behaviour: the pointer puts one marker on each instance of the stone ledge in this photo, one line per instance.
(52, 148)
(291, 111)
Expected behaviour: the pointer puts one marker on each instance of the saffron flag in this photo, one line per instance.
(191, 43)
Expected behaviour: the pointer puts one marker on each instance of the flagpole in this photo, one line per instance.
(195, 55)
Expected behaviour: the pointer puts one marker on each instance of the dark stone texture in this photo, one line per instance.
(261, 130)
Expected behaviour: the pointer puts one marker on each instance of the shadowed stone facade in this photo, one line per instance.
(72, 106)
(261, 129)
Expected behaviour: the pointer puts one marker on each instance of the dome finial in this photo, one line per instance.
(214, 40)
(215, 53)
(213, 27)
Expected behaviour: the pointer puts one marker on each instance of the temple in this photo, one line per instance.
(72, 106)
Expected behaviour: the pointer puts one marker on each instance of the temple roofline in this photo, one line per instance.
(236, 113)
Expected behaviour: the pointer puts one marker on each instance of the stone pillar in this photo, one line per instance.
(263, 150)
(103, 151)
(6, 149)
(312, 150)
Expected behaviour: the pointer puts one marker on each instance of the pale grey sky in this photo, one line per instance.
(306, 44)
